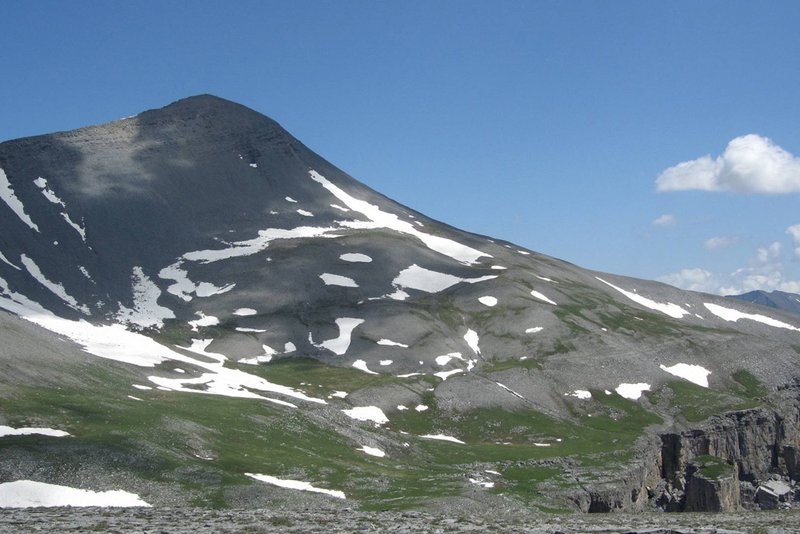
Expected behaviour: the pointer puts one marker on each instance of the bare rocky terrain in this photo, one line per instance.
(188, 521)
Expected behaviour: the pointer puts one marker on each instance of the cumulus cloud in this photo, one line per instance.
(665, 220)
(769, 253)
(692, 279)
(720, 242)
(794, 231)
(750, 164)
(765, 271)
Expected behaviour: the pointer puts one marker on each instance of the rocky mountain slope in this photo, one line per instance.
(217, 316)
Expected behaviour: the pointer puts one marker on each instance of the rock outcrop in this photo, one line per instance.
(744, 458)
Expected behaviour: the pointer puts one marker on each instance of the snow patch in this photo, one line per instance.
(693, 373)
(204, 320)
(471, 337)
(444, 375)
(355, 257)
(146, 311)
(420, 407)
(207, 289)
(386, 362)
(632, 391)
(541, 297)
(443, 437)
(390, 343)
(673, 310)
(444, 359)
(290, 199)
(416, 277)
(27, 431)
(305, 213)
(338, 394)
(367, 413)
(488, 301)
(339, 345)
(116, 343)
(361, 365)
(6, 260)
(510, 390)
(580, 394)
(245, 312)
(252, 246)
(11, 200)
(372, 451)
(55, 288)
(382, 219)
(295, 484)
(50, 195)
(184, 287)
(30, 494)
(729, 314)
(534, 330)
(337, 280)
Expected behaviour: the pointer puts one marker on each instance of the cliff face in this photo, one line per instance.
(718, 466)
(712, 485)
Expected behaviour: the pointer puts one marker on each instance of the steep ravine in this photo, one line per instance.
(739, 459)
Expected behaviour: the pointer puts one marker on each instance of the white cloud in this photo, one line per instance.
(750, 164)
(766, 271)
(770, 253)
(665, 220)
(721, 242)
(794, 231)
(692, 279)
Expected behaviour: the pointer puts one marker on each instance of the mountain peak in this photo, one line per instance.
(206, 103)
(213, 111)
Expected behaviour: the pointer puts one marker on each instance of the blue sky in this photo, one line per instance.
(544, 123)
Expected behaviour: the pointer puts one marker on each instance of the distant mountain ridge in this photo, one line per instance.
(780, 300)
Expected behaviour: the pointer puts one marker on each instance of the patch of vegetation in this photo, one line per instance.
(495, 435)
(205, 443)
(697, 403)
(512, 363)
(753, 388)
(280, 521)
(713, 467)
(524, 480)
(174, 332)
(219, 438)
(293, 372)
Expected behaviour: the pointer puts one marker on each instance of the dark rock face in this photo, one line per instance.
(731, 460)
(710, 488)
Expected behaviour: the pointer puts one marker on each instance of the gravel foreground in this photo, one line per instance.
(149, 520)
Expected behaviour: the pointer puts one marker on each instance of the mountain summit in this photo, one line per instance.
(212, 311)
